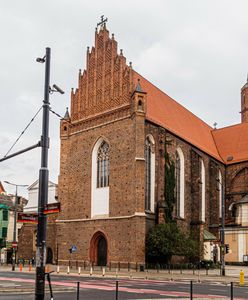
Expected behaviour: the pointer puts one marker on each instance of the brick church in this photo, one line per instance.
(112, 163)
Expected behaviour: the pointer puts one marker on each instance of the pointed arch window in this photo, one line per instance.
(219, 188)
(179, 178)
(150, 173)
(103, 165)
(203, 191)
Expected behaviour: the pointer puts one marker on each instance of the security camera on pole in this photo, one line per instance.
(43, 182)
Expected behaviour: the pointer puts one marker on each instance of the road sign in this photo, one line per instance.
(73, 249)
(14, 244)
(27, 218)
(52, 208)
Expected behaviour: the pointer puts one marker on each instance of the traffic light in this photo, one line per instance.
(227, 248)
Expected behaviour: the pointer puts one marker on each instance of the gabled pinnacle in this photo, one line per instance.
(138, 87)
(67, 115)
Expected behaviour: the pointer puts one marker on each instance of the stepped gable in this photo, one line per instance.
(166, 112)
(106, 83)
(232, 142)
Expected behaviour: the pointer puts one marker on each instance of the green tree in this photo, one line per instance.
(165, 240)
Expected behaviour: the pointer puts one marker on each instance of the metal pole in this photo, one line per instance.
(116, 290)
(78, 289)
(191, 290)
(43, 189)
(231, 290)
(222, 231)
(14, 234)
(20, 152)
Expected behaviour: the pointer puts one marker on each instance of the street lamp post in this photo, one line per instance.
(222, 230)
(14, 231)
(43, 186)
(222, 233)
(43, 181)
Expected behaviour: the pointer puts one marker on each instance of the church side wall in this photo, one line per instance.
(191, 222)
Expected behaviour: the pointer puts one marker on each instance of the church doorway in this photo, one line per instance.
(99, 249)
(49, 256)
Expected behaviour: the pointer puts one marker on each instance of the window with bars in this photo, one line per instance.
(178, 183)
(148, 152)
(103, 165)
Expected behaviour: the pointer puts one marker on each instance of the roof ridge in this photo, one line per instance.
(233, 125)
(210, 127)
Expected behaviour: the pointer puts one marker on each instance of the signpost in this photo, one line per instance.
(27, 218)
(52, 208)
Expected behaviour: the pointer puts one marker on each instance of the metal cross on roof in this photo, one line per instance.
(103, 21)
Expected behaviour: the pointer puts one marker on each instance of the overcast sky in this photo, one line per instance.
(194, 50)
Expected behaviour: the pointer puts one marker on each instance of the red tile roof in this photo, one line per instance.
(232, 141)
(164, 111)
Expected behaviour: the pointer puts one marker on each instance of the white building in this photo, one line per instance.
(33, 191)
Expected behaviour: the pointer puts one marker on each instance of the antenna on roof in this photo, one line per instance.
(215, 124)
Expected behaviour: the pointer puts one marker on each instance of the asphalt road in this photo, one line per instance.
(105, 288)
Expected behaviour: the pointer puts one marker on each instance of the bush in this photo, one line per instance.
(165, 240)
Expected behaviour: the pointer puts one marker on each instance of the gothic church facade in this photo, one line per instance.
(114, 144)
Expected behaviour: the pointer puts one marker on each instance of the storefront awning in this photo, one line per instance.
(208, 236)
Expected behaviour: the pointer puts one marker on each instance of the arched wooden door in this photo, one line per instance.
(102, 251)
(99, 249)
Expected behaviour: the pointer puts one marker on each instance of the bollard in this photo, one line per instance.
(171, 275)
(116, 291)
(241, 278)
(199, 280)
(68, 270)
(20, 267)
(91, 271)
(30, 268)
(78, 289)
(191, 290)
(57, 269)
(231, 290)
(84, 264)
(79, 270)
(103, 271)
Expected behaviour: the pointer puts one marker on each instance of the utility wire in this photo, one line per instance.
(59, 116)
(23, 131)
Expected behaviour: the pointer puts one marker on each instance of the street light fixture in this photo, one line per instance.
(14, 231)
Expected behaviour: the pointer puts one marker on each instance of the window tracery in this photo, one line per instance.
(103, 165)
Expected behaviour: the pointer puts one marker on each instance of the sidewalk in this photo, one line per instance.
(213, 275)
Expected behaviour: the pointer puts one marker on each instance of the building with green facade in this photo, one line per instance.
(4, 222)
